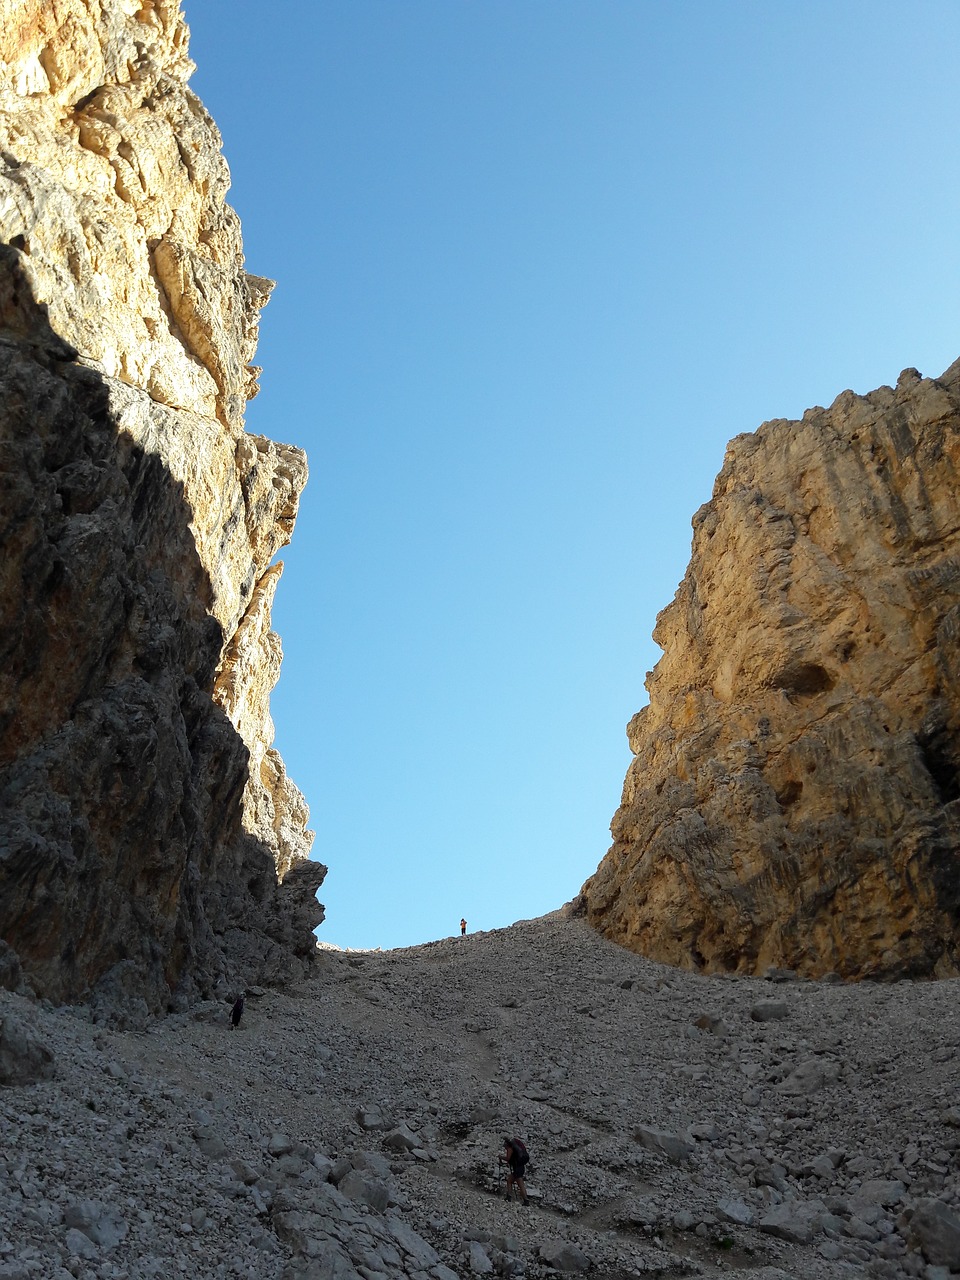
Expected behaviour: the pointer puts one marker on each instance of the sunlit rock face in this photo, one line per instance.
(150, 839)
(794, 800)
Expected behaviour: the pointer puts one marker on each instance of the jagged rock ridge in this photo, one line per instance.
(150, 840)
(794, 798)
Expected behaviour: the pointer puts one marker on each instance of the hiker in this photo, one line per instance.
(236, 1013)
(516, 1159)
(463, 928)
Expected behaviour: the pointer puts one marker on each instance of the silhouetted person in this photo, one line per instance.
(516, 1159)
(463, 927)
(236, 1013)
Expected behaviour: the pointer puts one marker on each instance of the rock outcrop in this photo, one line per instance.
(151, 844)
(794, 798)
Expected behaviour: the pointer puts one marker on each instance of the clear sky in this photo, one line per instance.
(538, 260)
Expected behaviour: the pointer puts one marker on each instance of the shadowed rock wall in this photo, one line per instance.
(794, 798)
(151, 843)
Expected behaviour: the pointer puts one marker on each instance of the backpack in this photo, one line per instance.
(521, 1152)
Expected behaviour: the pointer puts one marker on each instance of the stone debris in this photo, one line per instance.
(664, 1149)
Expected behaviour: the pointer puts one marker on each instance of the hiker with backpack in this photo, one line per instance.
(516, 1159)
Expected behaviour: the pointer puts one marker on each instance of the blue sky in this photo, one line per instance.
(537, 261)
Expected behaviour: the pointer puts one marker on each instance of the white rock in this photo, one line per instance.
(735, 1211)
(672, 1145)
(99, 1222)
(788, 1221)
(770, 1011)
(563, 1256)
(477, 1259)
(78, 1245)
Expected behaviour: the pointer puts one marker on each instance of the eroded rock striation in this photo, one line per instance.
(794, 797)
(151, 842)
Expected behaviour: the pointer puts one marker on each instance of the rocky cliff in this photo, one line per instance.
(150, 840)
(794, 797)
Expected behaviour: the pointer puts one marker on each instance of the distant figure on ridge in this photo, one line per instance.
(516, 1159)
(463, 927)
(236, 1013)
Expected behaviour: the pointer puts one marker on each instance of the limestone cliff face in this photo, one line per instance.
(794, 799)
(150, 839)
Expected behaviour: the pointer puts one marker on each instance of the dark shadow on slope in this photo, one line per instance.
(122, 858)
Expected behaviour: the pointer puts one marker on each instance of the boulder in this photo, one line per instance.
(878, 1191)
(24, 1058)
(279, 1144)
(366, 1190)
(373, 1117)
(401, 1139)
(788, 1221)
(735, 1212)
(98, 1222)
(477, 1259)
(770, 1011)
(674, 1146)
(935, 1230)
(807, 1077)
(564, 1256)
